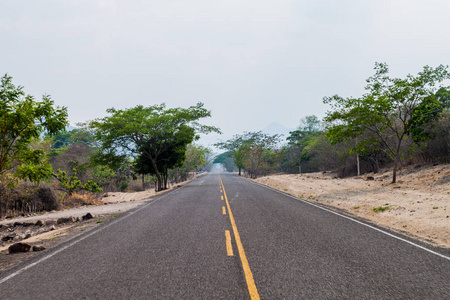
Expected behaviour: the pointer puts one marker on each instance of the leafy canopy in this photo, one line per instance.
(155, 135)
(23, 119)
(387, 114)
(250, 150)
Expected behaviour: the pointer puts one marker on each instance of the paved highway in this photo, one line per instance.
(224, 237)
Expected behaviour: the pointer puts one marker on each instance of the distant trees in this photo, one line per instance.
(253, 151)
(397, 121)
(387, 114)
(196, 158)
(227, 160)
(155, 136)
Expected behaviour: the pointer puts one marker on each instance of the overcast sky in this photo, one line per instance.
(252, 62)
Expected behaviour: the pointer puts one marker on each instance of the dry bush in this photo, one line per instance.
(27, 198)
(3, 201)
(135, 186)
(78, 199)
(48, 198)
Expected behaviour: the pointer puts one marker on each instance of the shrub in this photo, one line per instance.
(380, 208)
(48, 198)
(27, 198)
(76, 200)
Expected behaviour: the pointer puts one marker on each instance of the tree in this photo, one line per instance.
(195, 157)
(154, 133)
(227, 160)
(73, 184)
(423, 116)
(443, 96)
(250, 150)
(173, 157)
(23, 119)
(385, 111)
(311, 125)
(67, 138)
(232, 146)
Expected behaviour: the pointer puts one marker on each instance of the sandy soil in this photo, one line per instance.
(418, 204)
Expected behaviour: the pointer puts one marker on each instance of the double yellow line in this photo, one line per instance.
(245, 266)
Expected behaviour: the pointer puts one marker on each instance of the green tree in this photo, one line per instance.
(195, 157)
(173, 157)
(227, 160)
(23, 119)
(234, 147)
(153, 132)
(300, 138)
(423, 116)
(443, 96)
(251, 151)
(73, 184)
(385, 111)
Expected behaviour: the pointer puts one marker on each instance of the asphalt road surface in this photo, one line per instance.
(224, 237)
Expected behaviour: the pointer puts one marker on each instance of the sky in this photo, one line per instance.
(252, 62)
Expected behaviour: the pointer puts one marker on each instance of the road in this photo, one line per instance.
(224, 237)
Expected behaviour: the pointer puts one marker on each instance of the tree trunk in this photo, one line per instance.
(300, 161)
(239, 171)
(143, 182)
(158, 175)
(394, 173)
(166, 176)
(358, 171)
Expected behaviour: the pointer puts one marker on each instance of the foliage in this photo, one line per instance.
(227, 160)
(303, 136)
(27, 198)
(195, 157)
(438, 149)
(381, 208)
(173, 157)
(73, 184)
(443, 96)
(23, 119)
(252, 151)
(310, 124)
(151, 134)
(423, 116)
(385, 111)
(102, 175)
(65, 138)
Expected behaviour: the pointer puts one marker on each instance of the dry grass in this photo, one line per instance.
(76, 200)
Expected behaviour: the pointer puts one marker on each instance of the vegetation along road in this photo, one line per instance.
(224, 237)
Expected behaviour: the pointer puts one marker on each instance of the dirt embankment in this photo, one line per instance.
(418, 204)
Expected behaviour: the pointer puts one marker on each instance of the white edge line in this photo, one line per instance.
(354, 220)
(79, 240)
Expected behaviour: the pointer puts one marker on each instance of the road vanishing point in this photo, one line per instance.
(224, 237)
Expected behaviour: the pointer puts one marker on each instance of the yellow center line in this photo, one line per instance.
(228, 242)
(224, 212)
(245, 266)
(221, 197)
